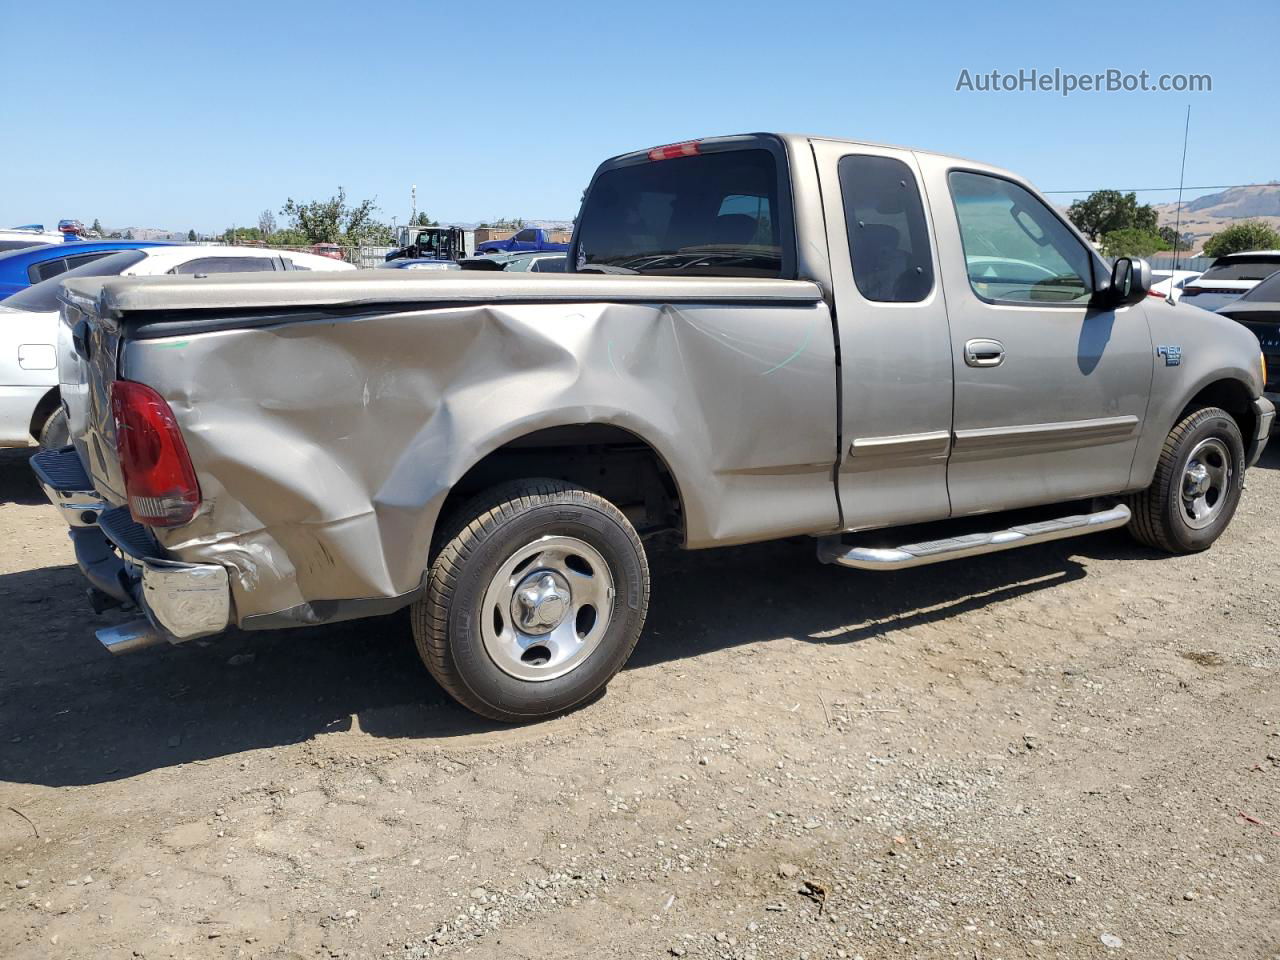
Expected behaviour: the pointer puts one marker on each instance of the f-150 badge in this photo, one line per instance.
(1172, 355)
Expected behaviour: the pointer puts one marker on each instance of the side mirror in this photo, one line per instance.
(1130, 282)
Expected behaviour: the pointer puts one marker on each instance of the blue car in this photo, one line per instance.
(21, 268)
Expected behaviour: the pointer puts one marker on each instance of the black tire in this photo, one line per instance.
(56, 432)
(1160, 515)
(477, 540)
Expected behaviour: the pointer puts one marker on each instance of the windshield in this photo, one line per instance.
(1242, 268)
(711, 215)
(43, 297)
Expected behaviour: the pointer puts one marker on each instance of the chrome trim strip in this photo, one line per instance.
(1038, 436)
(935, 443)
(831, 550)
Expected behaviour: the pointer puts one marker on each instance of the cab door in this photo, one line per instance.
(1050, 389)
(895, 347)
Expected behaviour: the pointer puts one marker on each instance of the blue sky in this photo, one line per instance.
(177, 115)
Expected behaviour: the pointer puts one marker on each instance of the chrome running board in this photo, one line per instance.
(833, 550)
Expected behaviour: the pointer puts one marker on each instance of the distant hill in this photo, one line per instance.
(1205, 216)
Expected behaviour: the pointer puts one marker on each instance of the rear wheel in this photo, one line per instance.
(534, 601)
(56, 432)
(1196, 487)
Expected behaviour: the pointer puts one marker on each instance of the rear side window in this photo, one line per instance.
(1252, 268)
(526, 236)
(225, 265)
(549, 265)
(716, 214)
(888, 236)
(51, 268)
(43, 271)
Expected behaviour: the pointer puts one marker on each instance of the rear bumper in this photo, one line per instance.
(1264, 411)
(122, 559)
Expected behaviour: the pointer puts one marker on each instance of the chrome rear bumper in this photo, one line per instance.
(122, 559)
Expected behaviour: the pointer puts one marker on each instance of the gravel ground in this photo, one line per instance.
(1066, 751)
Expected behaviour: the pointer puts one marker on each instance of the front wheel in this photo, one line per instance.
(1196, 487)
(534, 601)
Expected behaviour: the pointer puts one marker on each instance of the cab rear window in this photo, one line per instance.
(1242, 268)
(717, 214)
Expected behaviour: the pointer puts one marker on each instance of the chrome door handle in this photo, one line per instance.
(984, 353)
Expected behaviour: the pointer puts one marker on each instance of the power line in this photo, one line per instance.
(1216, 186)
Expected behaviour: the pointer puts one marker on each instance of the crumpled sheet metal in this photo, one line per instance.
(325, 448)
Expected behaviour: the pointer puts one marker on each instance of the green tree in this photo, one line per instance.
(1132, 242)
(241, 235)
(1246, 235)
(422, 220)
(1104, 211)
(1170, 236)
(266, 224)
(329, 221)
(128, 234)
(97, 227)
(191, 236)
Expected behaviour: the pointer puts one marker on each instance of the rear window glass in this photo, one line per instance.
(1254, 268)
(225, 265)
(711, 215)
(1268, 291)
(43, 296)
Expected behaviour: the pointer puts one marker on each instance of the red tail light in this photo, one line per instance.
(158, 477)
(689, 148)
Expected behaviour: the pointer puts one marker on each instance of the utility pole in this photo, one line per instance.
(413, 203)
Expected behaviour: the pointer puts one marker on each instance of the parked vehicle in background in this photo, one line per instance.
(30, 401)
(1230, 277)
(1259, 312)
(21, 268)
(536, 263)
(858, 347)
(419, 265)
(528, 239)
(1164, 282)
(432, 243)
(16, 238)
(330, 250)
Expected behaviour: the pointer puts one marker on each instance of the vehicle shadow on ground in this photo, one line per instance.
(72, 714)
(17, 482)
(1270, 459)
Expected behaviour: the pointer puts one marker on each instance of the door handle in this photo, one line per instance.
(984, 353)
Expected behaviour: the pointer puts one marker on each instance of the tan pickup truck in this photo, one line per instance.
(759, 336)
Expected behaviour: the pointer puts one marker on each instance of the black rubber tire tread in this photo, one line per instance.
(461, 534)
(1149, 524)
(56, 432)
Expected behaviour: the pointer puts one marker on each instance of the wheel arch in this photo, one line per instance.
(1231, 394)
(614, 461)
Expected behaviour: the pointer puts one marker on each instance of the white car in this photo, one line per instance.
(16, 238)
(1230, 277)
(30, 404)
(1165, 281)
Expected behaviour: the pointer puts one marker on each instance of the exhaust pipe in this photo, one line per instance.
(128, 637)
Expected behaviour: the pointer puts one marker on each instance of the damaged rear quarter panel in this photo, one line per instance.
(326, 447)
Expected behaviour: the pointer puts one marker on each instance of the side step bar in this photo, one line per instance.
(833, 550)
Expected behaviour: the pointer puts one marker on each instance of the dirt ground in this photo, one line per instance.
(1067, 751)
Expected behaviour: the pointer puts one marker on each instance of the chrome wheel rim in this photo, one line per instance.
(547, 608)
(1206, 479)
